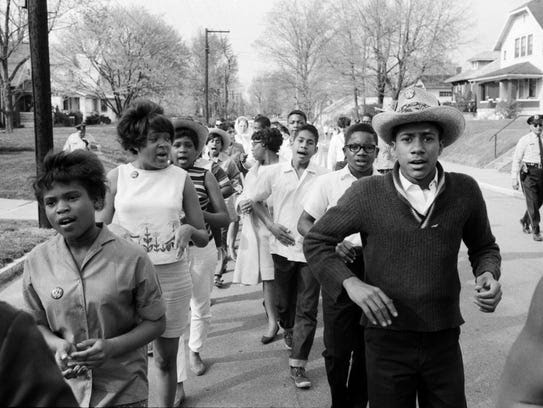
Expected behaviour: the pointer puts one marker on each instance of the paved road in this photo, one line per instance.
(244, 373)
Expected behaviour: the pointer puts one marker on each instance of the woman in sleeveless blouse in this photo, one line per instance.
(157, 204)
(189, 140)
(254, 263)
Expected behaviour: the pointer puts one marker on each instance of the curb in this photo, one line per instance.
(502, 190)
(11, 271)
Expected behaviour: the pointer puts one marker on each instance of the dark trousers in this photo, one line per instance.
(404, 365)
(297, 301)
(532, 184)
(344, 356)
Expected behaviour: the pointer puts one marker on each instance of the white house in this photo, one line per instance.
(519, 76)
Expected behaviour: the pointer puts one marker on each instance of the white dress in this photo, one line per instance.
(149, 204)
(254, 262)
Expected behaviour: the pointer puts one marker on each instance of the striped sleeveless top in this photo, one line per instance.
(198, 175)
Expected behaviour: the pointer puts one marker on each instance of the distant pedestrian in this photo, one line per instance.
(528, 166)
(29, 375)
(286, 184)
(95, 296)
(412, 221)
(157, 203)
(335, 149)
(80, 140)
(344, 356)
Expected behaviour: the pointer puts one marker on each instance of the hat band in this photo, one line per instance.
(413, 107)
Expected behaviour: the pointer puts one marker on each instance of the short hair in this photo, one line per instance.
(280, 126)
(297, 112)
(312, 129)
(81, 166)
(213, 135)
(343, 122)
(263, 120)
(360, 127)
(187, 132)
(271, 138)
(138, 120)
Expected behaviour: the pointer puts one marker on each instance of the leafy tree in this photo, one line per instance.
(119, 54)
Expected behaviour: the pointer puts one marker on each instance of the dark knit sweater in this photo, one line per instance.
(411, 259)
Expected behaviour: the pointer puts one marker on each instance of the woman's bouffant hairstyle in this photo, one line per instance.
(79, 166)
(271, 138)
(138, 120)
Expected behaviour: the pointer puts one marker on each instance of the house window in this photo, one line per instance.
(530, 44)
(522, 46)
(526, 88)
(517, 47)
(444, 94)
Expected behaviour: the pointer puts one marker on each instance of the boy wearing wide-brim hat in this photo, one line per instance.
(413, 221)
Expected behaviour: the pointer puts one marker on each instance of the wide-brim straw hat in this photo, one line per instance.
(417, 105)
(200, 130)
(224, 137)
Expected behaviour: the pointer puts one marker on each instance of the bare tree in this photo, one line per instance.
(14, 50)
(295, 37)
(119, 54)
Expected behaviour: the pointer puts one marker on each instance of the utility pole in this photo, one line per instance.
(38, 33)
(207, 71)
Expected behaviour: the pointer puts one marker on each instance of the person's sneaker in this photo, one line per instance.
(537, 236)
(288, 339)
(299, 377)
(525, 227)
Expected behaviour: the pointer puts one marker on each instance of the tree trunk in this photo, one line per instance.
(8, 108)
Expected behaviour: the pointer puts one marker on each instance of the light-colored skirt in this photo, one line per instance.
(176, 287)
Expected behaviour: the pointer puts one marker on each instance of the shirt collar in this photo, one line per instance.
(345, 173)
(287, 167)
(406, 184)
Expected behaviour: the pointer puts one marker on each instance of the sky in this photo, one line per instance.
(244, 19)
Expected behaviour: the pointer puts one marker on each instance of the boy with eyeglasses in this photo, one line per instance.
(528, 166)
(343, 335)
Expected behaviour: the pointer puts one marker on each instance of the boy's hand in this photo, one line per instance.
(488, 292)
(92, 352)
(347, 251)
(282, 234)
(377, 306)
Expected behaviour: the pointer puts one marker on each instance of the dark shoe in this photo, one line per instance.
(269, 339)
(299, 377)
(196, 364)
(538, 237)
(525, 227)
(288, 339)
(218, 282)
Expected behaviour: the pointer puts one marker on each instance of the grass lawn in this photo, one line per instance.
(17, 156)
(18, 238)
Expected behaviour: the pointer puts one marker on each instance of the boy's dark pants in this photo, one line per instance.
(404, 365)
(344, 340)
(532, 184)
(297, 301)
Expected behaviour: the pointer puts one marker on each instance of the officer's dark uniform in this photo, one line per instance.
(527, 165)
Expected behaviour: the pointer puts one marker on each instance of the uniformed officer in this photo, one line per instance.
(527, 165)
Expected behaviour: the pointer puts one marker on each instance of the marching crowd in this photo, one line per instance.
(376, 232)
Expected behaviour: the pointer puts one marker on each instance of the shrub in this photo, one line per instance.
(507, 109)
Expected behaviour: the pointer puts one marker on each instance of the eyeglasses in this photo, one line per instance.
(537, 124)
(355, 148)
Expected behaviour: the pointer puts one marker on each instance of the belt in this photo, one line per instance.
(536, 165)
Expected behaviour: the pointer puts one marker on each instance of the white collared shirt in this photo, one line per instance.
(325, 194)
(527, 151)
(287, 193)
(420, 199)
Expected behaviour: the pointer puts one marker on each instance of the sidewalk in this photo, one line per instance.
(18, 209)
